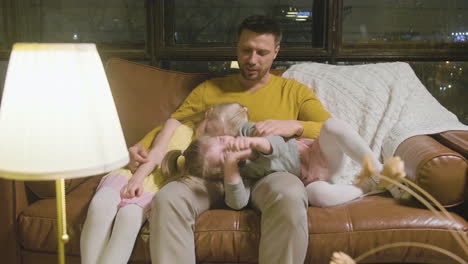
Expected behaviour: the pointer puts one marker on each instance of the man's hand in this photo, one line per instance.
(138, 156)
(131, 190)
(283, 128)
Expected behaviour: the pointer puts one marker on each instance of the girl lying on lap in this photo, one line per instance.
(241, 160)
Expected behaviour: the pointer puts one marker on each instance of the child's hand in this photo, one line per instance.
(231, 167)
(131, 190)
(233, 157)
(138, 155)
(239, 143)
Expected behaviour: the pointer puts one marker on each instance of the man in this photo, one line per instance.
(290, 109)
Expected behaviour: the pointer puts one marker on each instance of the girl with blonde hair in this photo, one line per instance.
(121, 203)
(222, 119)
(240, 161)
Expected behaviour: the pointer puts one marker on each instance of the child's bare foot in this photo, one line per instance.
(368, 180)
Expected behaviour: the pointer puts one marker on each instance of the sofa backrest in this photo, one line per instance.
(145, 96)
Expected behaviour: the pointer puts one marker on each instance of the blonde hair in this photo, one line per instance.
(193, 164)
(230, 115)
(178, 164)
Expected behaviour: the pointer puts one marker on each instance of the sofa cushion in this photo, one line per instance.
(37, 223)
(377, 220)
(224, 236)
(145, 96)
(46, 189)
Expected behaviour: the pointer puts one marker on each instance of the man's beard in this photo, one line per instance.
(245, 75)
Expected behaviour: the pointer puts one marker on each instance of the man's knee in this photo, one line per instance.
(170, 196)
(295, 195)
(282, 190)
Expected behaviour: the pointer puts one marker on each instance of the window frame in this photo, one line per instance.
(334, 51)
(10, 10)
(362, 52)
(166, 49)
(159, 47)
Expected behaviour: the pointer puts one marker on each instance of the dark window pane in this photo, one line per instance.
(3, 68)
(2, 35)
(448, 82)
(208, 21)
(217, 67)
(436, 23)
(118, 23)
(145, 62)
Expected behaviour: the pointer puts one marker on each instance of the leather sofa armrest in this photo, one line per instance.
(454, 139)
(13, 200)
(439, 170)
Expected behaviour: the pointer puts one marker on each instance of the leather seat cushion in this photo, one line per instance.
(233, 236)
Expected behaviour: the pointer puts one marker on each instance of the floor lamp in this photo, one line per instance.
(58, 119)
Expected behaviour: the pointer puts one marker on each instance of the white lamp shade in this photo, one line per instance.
(57, 115)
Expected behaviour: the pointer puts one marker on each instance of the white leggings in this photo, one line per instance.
(100, 242)
(336, 140)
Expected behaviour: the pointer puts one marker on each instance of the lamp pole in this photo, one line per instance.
(62, 236)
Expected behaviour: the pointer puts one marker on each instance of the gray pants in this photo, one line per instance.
(280, 197)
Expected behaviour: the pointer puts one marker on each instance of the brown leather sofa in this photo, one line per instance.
(145, 96)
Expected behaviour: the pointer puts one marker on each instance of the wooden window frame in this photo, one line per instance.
(159, 47)
(332, 52)
(10, 10)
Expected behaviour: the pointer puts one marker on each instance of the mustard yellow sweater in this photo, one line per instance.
(280, 98)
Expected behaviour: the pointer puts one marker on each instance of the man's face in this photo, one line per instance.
(255, 54)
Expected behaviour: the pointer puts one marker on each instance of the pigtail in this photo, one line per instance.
(177, 165)
(171, 166)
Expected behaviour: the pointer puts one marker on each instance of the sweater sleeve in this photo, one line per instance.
(278, 147)
(246, 130)
(236, 195)
(312, 114)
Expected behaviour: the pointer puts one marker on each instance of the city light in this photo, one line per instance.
(460, 36)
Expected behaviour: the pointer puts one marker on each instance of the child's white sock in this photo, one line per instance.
(325, 194)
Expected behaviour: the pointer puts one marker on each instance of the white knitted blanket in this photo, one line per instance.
(385, 102)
